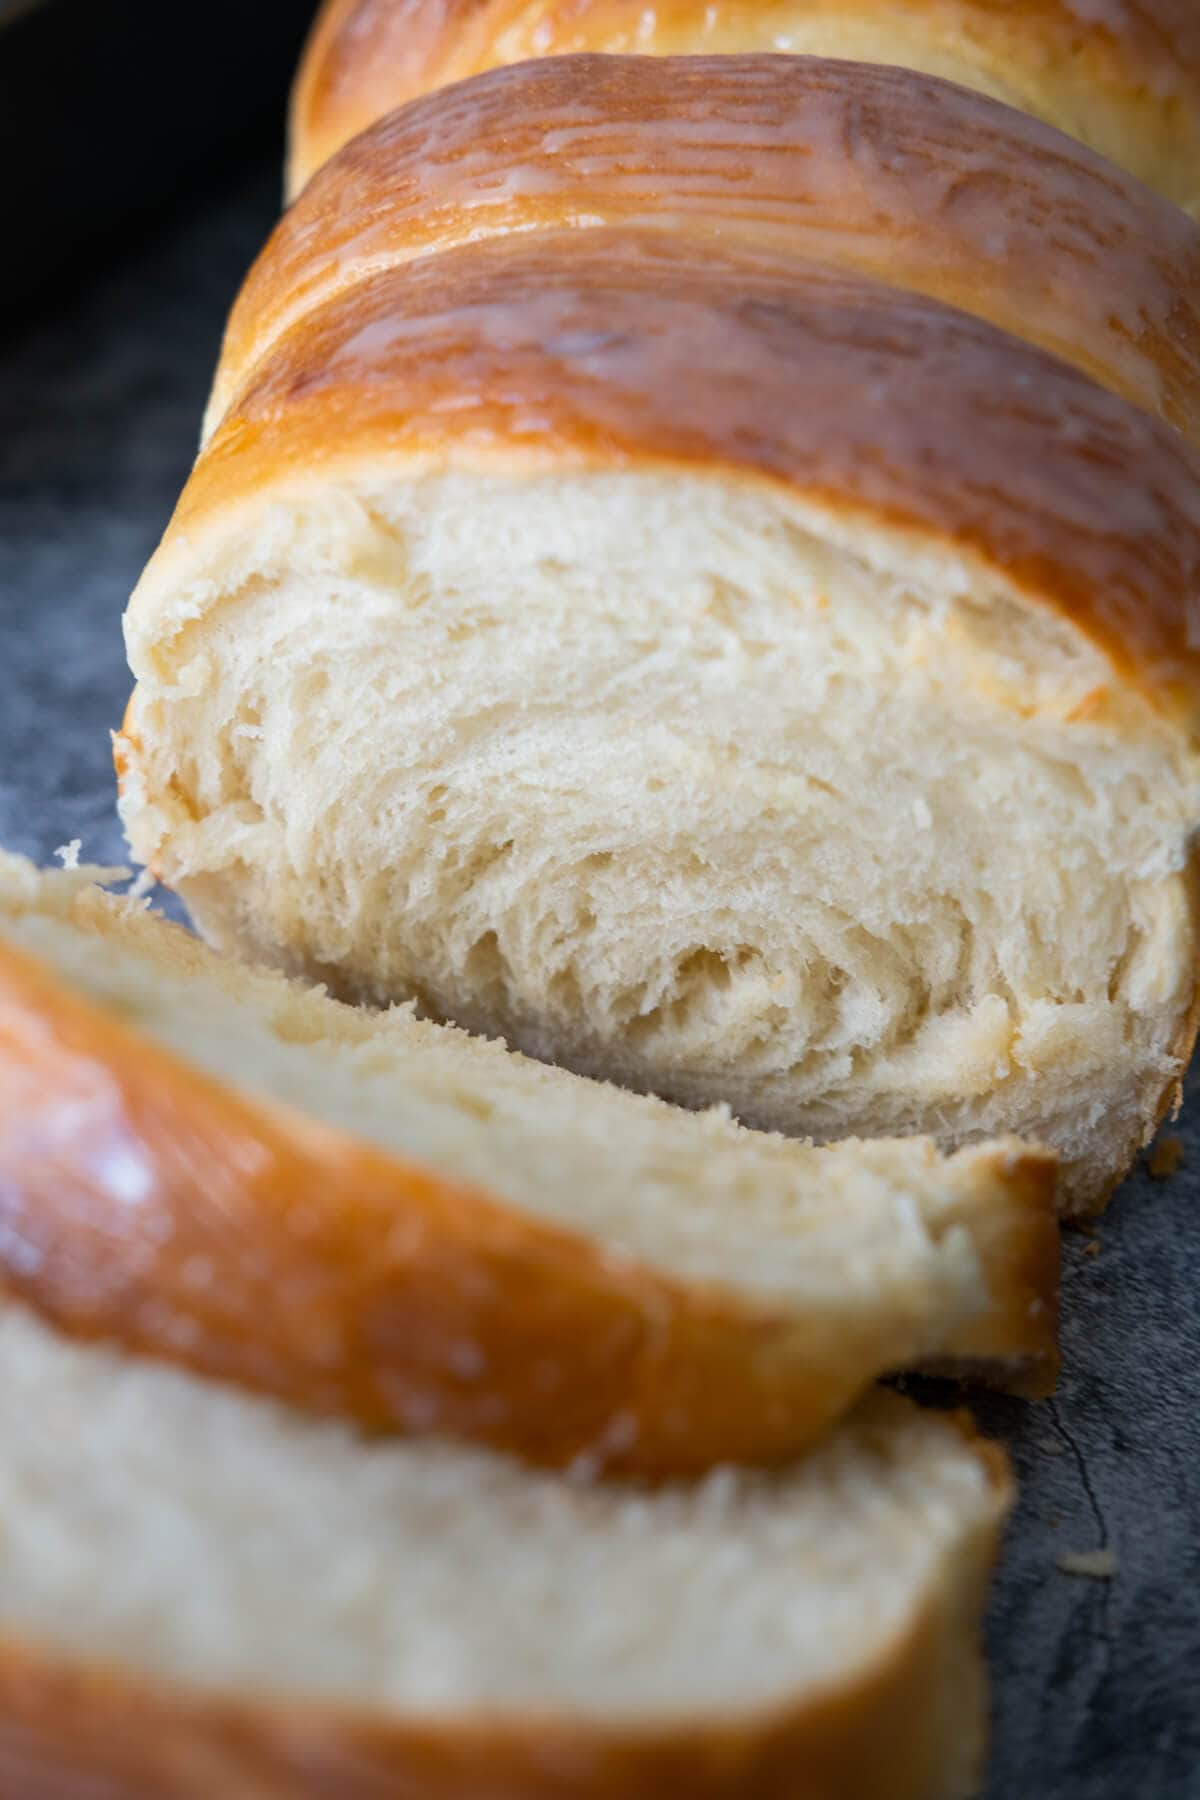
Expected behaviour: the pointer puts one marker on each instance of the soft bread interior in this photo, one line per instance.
(155, 1523)
(687, 785)
(859, 1227)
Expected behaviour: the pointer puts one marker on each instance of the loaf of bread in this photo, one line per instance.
(1121, 75)
(381, 1218)
(203, 1597)
(657, 639)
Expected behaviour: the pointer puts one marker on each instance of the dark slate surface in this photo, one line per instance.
(1097, 1684)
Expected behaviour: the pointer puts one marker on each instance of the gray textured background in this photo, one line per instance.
(1097, 1684)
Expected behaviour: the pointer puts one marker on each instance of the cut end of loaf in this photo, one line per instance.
(704, 791)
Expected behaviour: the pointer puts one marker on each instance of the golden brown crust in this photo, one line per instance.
(875, 170)
(1025, 1264)
(910, 1727)
(623, 349)
(1183, 1046)
(62, 1729)
(1078, 1202)
(1121, 75)
(142, 1201)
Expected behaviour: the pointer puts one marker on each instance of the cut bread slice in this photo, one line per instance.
(381, 1217)
(204, 1595)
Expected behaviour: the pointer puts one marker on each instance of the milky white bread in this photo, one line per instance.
(734, 678)
(383, 1218)
(1121, 75)
(204, 1596)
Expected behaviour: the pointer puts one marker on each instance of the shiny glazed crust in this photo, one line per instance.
(1121, 75)
(874, 170)
(288, 1257)
(628, 349)
(909, 1727)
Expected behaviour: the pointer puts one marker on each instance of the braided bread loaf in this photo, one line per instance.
(641, 596)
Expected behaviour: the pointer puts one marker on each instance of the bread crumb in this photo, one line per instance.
(145, 884)
(68, 854)
(1092, 1249)
(1096, 1565)
(1166, 1158)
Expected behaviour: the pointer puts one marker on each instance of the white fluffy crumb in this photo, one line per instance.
(143, 886)
(762, 829)
(68, 854)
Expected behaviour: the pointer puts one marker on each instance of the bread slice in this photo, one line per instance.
(1121, 75)
(204, 1597)
(380, 1217)
(738, 680)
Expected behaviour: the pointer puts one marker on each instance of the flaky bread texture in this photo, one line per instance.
(381, 1218)
(737, 680)
(202, 1594)
(1122, 76)
(876, 170)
